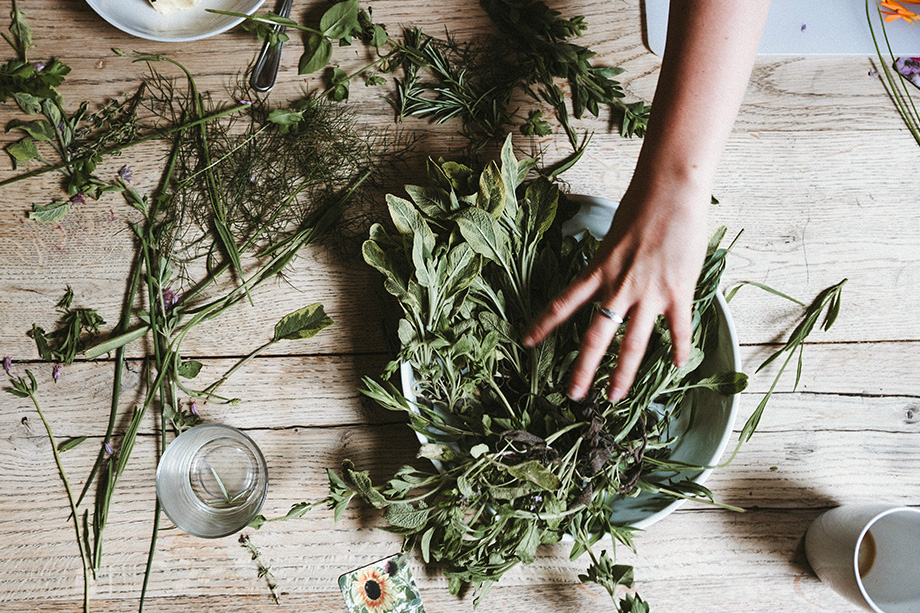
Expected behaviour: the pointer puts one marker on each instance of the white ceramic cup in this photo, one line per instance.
(870, 554)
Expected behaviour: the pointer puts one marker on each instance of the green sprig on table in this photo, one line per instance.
(474, 82)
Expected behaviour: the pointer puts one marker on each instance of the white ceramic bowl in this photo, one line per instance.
(139, 18)
(702, 439)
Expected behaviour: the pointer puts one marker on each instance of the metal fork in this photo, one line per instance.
(266, 69)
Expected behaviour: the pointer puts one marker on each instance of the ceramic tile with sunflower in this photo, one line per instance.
(386, 586)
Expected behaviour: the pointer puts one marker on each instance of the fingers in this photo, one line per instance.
(632, 349)
(594, 345)
(679, 321)
(562, 307)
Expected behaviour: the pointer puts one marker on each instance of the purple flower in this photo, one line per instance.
(56, 372)
(109, 450)
(126, 173)
(7, 364)
(169, 299)
(78, 199)
(243, 101)
(909, 68)
(804, 26)
(252, 179)
(38, 66)
(193, 408)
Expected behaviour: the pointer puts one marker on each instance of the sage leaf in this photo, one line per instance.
(493, 193)
(425, 544)
(535, 473)
(409, 222)
(302, 323)
(49, 212)
(542, 199)
(484, 235)
(406, 516)
(361, 483)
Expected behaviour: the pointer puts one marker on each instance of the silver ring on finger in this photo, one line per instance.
(611, 315)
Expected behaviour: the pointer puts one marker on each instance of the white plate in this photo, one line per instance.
(702, 440)
(139, 18)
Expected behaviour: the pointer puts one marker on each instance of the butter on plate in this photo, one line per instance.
(165, 6)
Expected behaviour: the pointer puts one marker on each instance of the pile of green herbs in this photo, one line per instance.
(473, 259)
(483, 83)
(243, 188)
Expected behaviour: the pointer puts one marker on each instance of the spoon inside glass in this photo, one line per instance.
(266, 69)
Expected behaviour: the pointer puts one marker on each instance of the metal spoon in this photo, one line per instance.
(266, 69)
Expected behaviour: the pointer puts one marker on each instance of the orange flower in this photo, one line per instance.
(372, 589)
(896, 11)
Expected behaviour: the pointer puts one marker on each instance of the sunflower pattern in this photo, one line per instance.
(386, 586)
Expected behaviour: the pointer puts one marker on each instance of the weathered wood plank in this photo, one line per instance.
(840, 385)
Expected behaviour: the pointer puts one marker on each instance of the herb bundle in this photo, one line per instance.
(474, 258)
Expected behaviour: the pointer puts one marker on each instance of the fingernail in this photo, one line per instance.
(680, 363)
(576, 392)
(528, 341)
(616, 394)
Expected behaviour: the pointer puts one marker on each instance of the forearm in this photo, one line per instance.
(707, 63)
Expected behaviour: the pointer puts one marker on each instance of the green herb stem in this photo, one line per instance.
(123, 146)
(70, 499)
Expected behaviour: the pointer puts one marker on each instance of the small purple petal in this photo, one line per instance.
(169, 298)
(56, 372)
(193, 408)
(38, 66)
(78, 199)
(244, 101)
(109, 450)
(7, 364)
(252, 179)
(804, 26)
(126, 173)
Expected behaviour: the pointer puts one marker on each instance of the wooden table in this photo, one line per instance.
(820, 175)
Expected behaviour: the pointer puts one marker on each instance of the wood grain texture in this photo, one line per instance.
(814, 175)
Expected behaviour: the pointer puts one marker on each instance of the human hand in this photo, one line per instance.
(648, 264)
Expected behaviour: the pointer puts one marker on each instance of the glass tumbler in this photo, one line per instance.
(212, 480)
